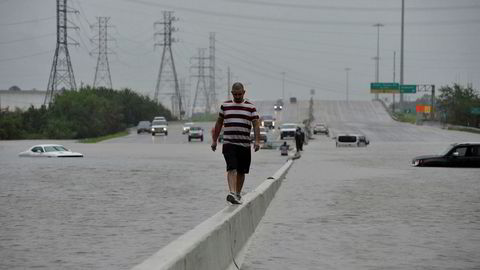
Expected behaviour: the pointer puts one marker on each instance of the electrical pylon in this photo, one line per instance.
(102, 71)
(201, 82)
(167, 61)
(61, 74)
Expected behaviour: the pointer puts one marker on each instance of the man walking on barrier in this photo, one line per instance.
(236, 117)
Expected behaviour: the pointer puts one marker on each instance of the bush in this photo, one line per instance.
(86, 113)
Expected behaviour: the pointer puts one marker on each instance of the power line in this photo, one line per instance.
(297, 21)
(25, 56)
(346, 8)
(26, 39)
(28, 21)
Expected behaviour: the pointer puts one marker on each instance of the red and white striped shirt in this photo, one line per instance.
(237, 121)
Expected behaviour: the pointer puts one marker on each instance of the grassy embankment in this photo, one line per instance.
(103, 138)
(406, 117)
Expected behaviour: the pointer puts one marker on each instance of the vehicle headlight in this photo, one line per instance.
(417, 162)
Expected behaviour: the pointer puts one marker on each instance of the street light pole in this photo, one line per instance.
(283, 87)
(347, 70)
(401, 53)
(377, 62)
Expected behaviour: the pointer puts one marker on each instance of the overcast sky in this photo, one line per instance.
(312, 41)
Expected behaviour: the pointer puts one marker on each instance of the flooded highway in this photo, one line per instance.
(124, 200)
(130, 196)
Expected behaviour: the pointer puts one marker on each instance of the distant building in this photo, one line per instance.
(22, 99)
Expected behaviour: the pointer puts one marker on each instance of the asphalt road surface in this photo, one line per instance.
(367, 208)
(130, 196)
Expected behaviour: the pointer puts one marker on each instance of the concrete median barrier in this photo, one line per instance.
(219, 242)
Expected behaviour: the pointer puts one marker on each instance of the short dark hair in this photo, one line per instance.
(237, 86)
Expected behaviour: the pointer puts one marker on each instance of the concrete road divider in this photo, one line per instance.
(220, 242)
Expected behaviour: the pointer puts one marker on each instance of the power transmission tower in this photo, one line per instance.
(212, 90)
(201, 82)
(167, 61)
(61, 74)
(102, 71)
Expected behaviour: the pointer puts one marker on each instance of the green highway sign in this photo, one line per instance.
(408, 88)
(475, 110)
(392, 87)
(381, 88)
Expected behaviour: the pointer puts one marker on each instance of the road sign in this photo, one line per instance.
(423, 108)
(408, 88)
(381, 88)
(475, 110)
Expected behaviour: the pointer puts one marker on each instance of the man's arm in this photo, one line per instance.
(256, 131)
(216, 132)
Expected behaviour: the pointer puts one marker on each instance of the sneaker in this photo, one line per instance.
(238, 196)
(231, 198)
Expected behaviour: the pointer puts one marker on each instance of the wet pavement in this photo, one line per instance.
(348, 208)
(367, 208)
(127, 198)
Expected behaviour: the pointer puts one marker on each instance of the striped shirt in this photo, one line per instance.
(237, 121)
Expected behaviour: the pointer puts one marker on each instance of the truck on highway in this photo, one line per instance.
(268, 121)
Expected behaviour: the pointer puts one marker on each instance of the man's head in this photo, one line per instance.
(237, 92)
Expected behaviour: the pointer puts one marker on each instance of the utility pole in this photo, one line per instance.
(167, 60)
(401, 52)
(201, 82)
(394, 58)
(347, 70)
(283, 87)
(377, 58)
(228, 83)
(102, 71)
(212, 90)
(61, 74)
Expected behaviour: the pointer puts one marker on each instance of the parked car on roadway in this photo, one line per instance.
(49, 150)
(186, 127)
(355, 140)
(144, 126)
(268, 121)
(159, 126)
(288, 130)
(320, 128)
(263, 134)
(195, 133)
(466, 154)
(159, 118)
(278, 105)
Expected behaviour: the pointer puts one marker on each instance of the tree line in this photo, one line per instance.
(456, 105)
(86, 113)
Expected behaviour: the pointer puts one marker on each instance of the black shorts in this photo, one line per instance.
(237, 157)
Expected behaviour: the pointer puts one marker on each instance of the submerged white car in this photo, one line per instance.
(186, 127)
(49, 150)
(288, 130)
(159, 126)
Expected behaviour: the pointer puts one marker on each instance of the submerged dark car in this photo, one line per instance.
(456, 155)
(143, 126)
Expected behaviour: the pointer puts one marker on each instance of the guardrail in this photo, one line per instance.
(219, 242)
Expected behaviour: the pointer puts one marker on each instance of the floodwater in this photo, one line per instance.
(367, 208)
(126, 199)
(358, 208)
